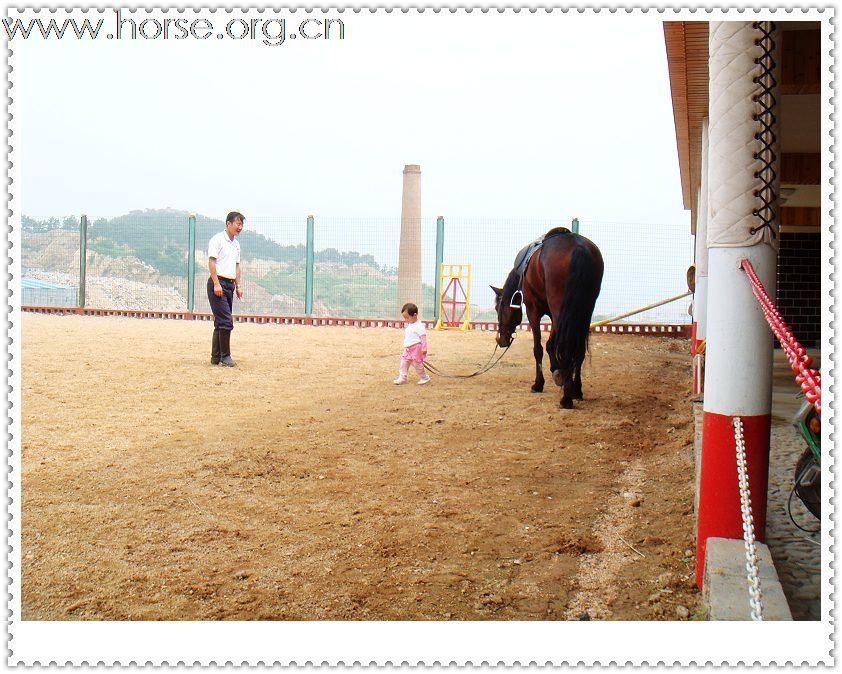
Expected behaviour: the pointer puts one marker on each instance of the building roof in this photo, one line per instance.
(799, 101)
(687, 57)
(36, 283)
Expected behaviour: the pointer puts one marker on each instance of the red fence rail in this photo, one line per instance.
(642, 329)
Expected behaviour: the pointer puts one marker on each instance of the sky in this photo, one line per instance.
(518, 121)
(509, 115)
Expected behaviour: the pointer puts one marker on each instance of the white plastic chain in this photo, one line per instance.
(755, 597)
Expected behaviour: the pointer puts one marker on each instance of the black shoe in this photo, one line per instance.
(225, 348)
(215, 357)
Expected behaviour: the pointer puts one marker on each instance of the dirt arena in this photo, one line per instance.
(304, 485)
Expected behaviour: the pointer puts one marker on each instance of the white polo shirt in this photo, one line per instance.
(227, 254)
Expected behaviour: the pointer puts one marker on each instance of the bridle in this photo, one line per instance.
(432, 369)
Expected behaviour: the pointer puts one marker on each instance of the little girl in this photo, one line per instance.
(414, 345)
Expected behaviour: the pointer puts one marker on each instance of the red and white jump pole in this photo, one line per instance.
(738, 367)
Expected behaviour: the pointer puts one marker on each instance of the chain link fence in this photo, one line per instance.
(139, 261)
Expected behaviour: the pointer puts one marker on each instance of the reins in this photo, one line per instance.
(432, 369)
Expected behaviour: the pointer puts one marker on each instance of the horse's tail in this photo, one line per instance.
(572, 325)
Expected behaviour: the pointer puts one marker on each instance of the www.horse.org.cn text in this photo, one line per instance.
(272, 32)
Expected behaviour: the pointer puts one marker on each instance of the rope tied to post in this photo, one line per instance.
(752, 573)
(808, 378)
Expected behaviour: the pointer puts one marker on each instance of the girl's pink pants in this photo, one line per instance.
(417, 364)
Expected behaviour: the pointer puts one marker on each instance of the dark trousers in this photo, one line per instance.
(222, 306)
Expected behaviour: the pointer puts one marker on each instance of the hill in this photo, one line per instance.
(152, 244)
(159, 238)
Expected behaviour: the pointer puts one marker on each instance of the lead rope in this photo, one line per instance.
(432, 369)
(755, 597)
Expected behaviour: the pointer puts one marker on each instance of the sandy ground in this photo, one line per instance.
(304, 485)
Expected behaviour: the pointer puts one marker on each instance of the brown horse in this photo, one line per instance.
(561, 280)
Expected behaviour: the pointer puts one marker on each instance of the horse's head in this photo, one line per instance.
(509, 313)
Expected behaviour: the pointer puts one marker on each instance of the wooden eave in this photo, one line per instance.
(687, 60)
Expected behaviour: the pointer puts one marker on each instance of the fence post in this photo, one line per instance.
(191, 260)
(308, 279)
(83, 258)
(575, 225)
(439, 260)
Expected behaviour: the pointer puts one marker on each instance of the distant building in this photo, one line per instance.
(45, 294)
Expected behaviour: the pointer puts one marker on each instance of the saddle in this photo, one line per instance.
(522, 261)
(523, 257)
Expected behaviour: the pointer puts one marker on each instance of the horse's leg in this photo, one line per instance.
(568, 383)
(577, 383)
(551, 352)
(567, 397)
(538, 352)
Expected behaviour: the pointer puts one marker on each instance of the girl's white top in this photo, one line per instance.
(413, 332)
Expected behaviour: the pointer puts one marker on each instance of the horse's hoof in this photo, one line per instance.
(537, 389)
(557, 378)
(578, 397)
(566, 403)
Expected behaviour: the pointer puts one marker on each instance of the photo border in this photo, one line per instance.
(425, 643)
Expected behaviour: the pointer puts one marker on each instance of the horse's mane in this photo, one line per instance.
(509, 287)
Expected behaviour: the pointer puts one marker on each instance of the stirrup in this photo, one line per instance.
(512, 303)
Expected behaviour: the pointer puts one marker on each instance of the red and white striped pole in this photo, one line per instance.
(738, 367)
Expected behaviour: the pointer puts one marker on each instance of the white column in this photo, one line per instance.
(739, 340)
(738, 366)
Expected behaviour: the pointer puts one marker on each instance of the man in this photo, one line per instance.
(224, 281)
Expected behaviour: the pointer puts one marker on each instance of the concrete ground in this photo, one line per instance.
(796, 553)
